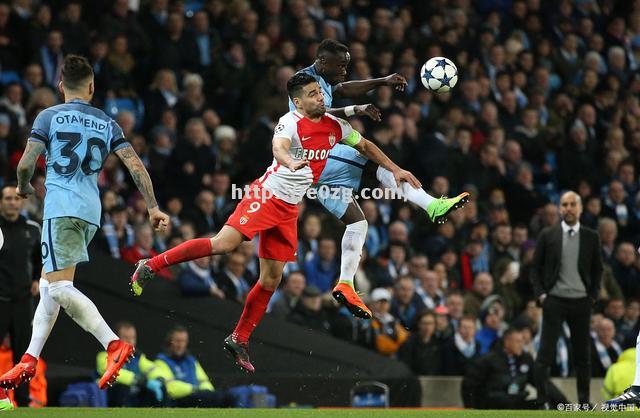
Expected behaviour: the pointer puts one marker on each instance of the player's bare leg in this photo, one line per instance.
(225, 241)
(437, 208)
(237, 344)
(352, 244)
(59, 291)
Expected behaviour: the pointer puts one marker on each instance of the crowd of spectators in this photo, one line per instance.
(548, 100)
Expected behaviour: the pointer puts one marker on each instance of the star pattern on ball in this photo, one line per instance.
(427, 74)
(441, 63)
(445, 80)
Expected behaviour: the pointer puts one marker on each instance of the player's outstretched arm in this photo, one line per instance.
(141, 177)
(357, 110)
(27, 166)
(359, 87)
(281, 154)
(375, 154)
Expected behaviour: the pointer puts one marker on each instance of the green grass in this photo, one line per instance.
(286, 413)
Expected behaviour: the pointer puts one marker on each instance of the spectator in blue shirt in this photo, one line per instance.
(322, 269)
(197, 279)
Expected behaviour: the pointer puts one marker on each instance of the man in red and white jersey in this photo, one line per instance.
(301, 144)
(306, 140)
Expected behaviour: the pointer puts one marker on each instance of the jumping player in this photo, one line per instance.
(301, 143)
(77, 139)
(345, 165)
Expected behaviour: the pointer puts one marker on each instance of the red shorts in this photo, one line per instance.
(275, 220)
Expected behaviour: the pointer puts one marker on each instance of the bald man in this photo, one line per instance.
(566, 274)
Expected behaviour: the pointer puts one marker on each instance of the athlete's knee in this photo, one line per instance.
(221, 245)
(270, 282)
(57, 291)
(359, 227)
(386, 177)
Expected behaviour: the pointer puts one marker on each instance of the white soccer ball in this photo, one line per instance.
(1, 239)
(439, 74)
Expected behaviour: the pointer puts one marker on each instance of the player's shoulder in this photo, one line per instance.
(342, 122)
(311, 70)
(287, 121)
(49, 112)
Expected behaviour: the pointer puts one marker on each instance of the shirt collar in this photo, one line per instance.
(78, 101)
(566, 227)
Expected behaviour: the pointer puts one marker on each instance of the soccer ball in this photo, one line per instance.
(439, 74)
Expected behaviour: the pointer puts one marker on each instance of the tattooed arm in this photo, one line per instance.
(27, 166)
(139, 173)
(141, 177)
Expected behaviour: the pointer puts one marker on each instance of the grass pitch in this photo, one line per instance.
(289, 413)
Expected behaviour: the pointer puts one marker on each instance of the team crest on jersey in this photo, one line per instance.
(332, 139)
(244, 220)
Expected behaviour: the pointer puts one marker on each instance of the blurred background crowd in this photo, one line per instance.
(547, 101)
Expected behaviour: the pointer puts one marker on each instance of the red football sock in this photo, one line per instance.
(254, 309)
(187, 251)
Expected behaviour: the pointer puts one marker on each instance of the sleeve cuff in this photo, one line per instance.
(34, 136)
(118, 144)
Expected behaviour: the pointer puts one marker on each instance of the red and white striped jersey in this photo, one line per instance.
(309, 140)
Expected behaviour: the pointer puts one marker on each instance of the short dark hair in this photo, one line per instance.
(6, 186)
(119, 208)
(175, 330)
(509, 332)
(614, 299)
(422, 314)
(329, 46)
(297, 82)
(75, 71)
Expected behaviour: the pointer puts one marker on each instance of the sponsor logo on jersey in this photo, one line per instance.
(332, 139)
(311, 154)
(244, 220)
(304, 138)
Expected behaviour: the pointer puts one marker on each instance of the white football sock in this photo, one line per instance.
(82, 310)
(636, 381)
(43, 320)
(405, 190)
(352, 243)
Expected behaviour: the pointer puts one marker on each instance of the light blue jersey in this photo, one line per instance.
(344, 164)
(78, 137)
(344, 167)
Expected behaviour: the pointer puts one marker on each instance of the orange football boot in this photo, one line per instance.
(20, 373)
(118, 353)
(347, 296)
